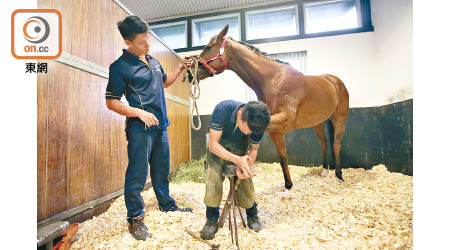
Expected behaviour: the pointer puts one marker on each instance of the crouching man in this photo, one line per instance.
(233, 126)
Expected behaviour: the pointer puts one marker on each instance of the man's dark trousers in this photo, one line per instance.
(144, 147)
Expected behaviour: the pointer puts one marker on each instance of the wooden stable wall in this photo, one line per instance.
(81, 149)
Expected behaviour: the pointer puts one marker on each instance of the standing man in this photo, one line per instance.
(142, 79)
(233, 125)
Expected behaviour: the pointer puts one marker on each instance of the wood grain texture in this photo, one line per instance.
(57, 139)
(79, 29)
(179, 133)
(65, 7)
(42, 143)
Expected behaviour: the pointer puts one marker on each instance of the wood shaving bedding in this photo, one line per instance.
(372, 209)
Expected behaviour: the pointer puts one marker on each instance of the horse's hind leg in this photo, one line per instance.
(320, 133)
(278, 139)
(339, 131)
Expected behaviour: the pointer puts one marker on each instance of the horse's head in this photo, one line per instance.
(213, 60)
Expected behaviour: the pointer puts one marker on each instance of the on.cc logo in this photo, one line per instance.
(36, 29)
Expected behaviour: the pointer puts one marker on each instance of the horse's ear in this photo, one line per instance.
(223, 33)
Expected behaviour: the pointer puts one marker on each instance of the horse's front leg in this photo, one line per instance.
(277, 130)
(277, 122)
(278, 139)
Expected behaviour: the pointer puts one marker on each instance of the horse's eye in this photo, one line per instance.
(207, 47)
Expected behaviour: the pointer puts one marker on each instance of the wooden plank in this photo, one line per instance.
(178, 133)
(82, 126)
(119, 44)
(103, 169)
(57, 138)
(77, 162)
(42, 136)
(91, 109)
(108, 26)
(170, 131)
(94, 32)
(185, 119)
(116, 149)
(65, 7)
(75, 170)
(80, 28)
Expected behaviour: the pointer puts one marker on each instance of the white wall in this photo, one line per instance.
(375, 66)
(392, 21)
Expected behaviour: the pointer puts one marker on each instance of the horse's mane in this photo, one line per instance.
(254, 49)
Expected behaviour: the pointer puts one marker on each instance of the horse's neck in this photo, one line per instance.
(255, 70)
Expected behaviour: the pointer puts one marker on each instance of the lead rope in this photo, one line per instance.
(194, 88)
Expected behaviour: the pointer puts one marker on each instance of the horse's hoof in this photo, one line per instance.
(339, 176)
(324, 172)
(288, 185)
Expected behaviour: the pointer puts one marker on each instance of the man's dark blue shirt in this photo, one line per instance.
(224, 118)
(143, 86)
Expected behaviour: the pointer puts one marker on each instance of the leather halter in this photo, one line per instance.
(219, 56)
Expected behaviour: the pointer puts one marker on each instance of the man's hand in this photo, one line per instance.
(251, 161)
(243, 170)
(148, 118)
(251, 165)
(186, 62)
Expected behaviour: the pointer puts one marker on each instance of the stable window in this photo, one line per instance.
(272, 23)
(173, 34)
(205, 28)
(296, 59)
(322, 16)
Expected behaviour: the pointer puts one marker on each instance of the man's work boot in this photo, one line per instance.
(138, 229)
(253, 223)
(209, 229)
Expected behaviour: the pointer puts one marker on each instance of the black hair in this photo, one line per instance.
(131, 26)
(257, 116)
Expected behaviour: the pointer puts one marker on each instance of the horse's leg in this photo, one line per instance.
(278, 139)
(320, 133)
(339, 131)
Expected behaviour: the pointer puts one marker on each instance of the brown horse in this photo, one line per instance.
(294, 99)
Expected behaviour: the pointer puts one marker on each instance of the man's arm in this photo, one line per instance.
(252, 153)
(121, 108)
(173, 76)
(242, 171)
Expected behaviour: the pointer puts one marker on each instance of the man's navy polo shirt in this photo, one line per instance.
(224, 119)
(143, 86)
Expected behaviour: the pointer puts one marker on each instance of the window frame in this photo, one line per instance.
(297, 17)
(215, 18)
(318, 2)
(170, 24)
(364, 17)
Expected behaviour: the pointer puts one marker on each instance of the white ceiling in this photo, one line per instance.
(155, 10)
